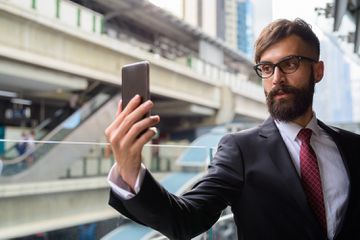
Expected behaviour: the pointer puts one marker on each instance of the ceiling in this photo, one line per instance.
(34, 81)
(158, 21)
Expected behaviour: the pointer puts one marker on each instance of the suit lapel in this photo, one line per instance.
(335, 136)
(280, 156)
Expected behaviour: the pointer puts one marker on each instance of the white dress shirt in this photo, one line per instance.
(118, 185)
(334, 179)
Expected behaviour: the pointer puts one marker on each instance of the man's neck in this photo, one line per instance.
(305, 118)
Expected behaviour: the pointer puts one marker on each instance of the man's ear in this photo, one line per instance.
(318, 71)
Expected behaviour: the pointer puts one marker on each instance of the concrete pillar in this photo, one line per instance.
(226, 111)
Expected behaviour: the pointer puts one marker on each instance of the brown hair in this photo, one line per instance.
(282, 28)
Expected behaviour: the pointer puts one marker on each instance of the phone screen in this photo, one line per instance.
(135, 80)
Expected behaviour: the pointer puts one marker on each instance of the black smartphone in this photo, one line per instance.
(135, 80)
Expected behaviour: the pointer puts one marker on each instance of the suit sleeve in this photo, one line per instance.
(183, 217)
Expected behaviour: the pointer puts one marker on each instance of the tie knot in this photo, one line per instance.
(305, 134)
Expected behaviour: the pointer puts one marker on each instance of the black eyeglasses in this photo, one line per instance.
(288, 65)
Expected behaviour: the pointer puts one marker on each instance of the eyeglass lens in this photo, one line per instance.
(288, 65)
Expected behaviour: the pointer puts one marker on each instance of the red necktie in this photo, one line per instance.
(310, 176)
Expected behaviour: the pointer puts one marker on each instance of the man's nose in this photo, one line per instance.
(278, 76)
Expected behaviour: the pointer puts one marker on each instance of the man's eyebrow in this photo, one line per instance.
(265, 62)
(281, 59)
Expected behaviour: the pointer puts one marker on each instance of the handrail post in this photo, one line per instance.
(211, 154)
(84, 166)
(210, 231)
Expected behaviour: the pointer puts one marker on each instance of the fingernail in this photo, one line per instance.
(154, 129)
(148, 103)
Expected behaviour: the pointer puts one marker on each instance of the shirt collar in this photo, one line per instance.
(291, 129)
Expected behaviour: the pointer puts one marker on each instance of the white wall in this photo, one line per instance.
(173, 6)
(209, 17)
(191, 12)
(262, 15)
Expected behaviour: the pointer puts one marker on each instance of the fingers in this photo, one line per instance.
(133, 103)
(146, 137)
(136, 115)
(129, 123)
(120, 115)
(133, 136)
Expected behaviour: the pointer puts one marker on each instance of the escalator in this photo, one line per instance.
(40, 131)
(51, 158)
(50, 123)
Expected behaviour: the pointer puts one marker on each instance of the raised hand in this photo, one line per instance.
(128, 134)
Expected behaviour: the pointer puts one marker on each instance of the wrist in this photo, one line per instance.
(129, 176)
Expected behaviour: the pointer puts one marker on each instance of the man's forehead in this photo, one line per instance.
(292, 45)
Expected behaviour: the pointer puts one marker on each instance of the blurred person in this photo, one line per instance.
(74, 101)
(292, 177)
(22, 144)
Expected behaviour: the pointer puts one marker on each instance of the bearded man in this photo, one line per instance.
(293, 177)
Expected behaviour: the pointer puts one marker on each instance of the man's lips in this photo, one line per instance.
(281, 94)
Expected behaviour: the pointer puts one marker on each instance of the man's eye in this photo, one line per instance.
(290, 64)
(266, 68)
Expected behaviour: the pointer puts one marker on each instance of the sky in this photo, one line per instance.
(266, 10)
(174, 6)
(289, 9)
(297, 8)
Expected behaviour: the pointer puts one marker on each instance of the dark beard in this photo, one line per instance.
(295, 106)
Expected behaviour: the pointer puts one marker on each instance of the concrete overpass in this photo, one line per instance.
(47, 51)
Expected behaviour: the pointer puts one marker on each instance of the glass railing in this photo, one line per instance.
(39, 131)
(71, 197)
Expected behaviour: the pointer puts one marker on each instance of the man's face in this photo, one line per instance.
(289, 96)
(288, 109)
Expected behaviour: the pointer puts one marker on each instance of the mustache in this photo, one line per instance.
(282, 89)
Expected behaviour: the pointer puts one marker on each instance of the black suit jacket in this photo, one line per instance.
(252, 172)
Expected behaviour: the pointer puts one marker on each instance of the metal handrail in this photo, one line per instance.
(221, 219)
